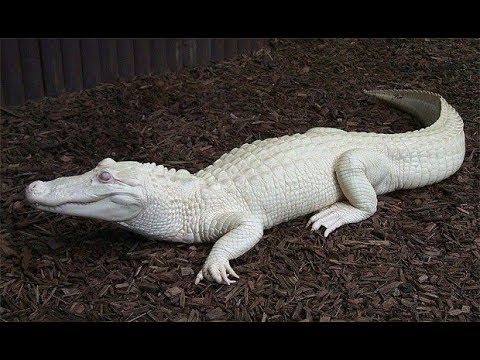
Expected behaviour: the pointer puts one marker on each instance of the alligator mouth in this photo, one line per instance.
(63, 205)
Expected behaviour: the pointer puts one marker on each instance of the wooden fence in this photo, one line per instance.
(34, 68)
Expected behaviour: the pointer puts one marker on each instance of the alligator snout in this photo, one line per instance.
(34, 190)
(60, 191)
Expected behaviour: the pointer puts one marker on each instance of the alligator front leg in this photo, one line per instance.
(359, 173)
(245, 232)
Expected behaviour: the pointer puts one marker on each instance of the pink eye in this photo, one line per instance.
(104, 176)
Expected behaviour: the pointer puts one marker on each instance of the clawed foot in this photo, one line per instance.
(218, 270)
(335, 216)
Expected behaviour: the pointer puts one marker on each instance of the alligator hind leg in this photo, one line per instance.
(360, 173)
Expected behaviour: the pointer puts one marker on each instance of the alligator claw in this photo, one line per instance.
(218, 271)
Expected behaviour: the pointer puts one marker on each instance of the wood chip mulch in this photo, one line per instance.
(416, 259)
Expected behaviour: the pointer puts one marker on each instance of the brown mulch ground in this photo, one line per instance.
(417, 259)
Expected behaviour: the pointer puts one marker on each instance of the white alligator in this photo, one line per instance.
(335, 173)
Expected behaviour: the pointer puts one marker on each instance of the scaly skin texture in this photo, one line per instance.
(335, 174)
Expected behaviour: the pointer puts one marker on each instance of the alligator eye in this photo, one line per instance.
(104, 176)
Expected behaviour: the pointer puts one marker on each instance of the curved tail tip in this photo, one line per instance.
(389, 93)
(374, 92)
(378, 93)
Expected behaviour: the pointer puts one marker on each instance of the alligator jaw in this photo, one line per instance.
(77, 208)
(60, 207)
(77, 196)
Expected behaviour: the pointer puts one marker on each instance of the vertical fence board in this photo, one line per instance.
(174, 54)
(189, 52)
(108, 60)
(2, 93)
(254, 44)
(257, 44)
(90, 62)
(125, 58)
(179, 53)
(72, 64)
(142, 56)
(244, 46)
(203, 51)
(218, 49)
(2, 78)
(31, 68)
(12, 72)
(158, 55)
(52, 66)
(231, 48)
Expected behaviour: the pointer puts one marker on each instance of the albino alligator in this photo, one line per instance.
(335, 173)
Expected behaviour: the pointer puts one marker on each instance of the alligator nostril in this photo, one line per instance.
(31, 192)
(34, 187)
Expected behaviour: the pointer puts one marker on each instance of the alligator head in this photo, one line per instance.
(112, 191)
(144, 197)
